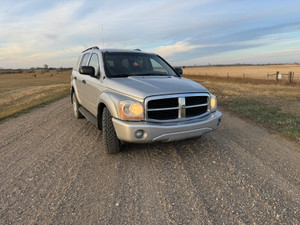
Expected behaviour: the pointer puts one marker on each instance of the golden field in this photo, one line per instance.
(252, 72)
(22, 91)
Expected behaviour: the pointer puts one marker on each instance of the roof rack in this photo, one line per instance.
(95, 47)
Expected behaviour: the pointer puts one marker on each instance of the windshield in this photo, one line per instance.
(124, 64)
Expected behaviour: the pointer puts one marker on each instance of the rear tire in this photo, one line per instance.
(76, 105)
(110, 140)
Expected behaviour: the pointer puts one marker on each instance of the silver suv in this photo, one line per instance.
(133, 96)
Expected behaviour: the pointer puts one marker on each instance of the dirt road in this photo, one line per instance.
(53, 170)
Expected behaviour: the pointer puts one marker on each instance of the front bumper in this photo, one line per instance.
(166, 131)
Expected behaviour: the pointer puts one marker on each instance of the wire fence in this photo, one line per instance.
(289, 77)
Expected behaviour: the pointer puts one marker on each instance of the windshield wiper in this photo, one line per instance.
(154, 74)
(141, 74)
(121, 75)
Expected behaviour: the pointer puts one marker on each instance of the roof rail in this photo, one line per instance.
(95, 47)
(137, 49)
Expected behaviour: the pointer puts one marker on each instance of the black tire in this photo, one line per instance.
(110, 140)
(76, 105)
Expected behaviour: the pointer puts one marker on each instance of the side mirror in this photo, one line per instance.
(88, 70)
(178, 70)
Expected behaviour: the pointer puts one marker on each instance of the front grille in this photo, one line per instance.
(191, 112)
(163, 103)
(177, 107)
(195, 100)
(163, 115)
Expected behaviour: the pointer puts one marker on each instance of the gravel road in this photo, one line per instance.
(53, 170)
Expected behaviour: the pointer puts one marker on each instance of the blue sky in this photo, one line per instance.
(189, 32)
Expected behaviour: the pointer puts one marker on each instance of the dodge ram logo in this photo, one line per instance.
(181, 111)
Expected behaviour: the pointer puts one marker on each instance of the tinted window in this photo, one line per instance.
(94, 62)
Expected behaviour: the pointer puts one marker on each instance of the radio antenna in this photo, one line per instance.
(102, 37)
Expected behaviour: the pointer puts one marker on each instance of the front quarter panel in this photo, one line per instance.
(111, 100)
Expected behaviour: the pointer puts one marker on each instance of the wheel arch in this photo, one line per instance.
(106, 100)
(101, 106)
(71, 93)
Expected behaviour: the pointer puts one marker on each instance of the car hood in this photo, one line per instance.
(146, 86)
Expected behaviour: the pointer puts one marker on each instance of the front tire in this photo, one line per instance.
(111, 142)
(77, 114)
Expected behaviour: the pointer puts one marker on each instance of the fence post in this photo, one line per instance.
(244, 75)
(227, 75)
(277, 76)
(290, 76)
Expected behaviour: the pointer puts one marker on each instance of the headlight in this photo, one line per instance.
(213, 103)
(130, 109)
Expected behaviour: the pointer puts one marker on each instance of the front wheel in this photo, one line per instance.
(111, 142)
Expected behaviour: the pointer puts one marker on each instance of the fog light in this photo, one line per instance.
(139, 133)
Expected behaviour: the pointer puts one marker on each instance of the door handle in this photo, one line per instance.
(83, 81)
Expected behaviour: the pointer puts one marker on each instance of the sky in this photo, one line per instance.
(185, 32)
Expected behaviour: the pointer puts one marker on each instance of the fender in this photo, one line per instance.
(111, 100)
(74, 88)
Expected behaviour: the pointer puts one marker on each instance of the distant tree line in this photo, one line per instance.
(32, 69)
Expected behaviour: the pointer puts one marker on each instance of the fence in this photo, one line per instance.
(279, 76)
(252, 72)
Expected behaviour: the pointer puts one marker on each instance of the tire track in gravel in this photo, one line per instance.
(53, 170)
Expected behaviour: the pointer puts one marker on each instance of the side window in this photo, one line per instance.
(84, 59)
(94, 62)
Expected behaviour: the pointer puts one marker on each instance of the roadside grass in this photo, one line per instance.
(276, 107)
(270, 116)
(24, 91)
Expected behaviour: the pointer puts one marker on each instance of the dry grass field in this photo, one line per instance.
(274, 106)
(254, 72)
(22, 91)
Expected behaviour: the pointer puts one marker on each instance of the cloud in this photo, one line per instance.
(181, 46)
(38, 32)
(33, 37)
